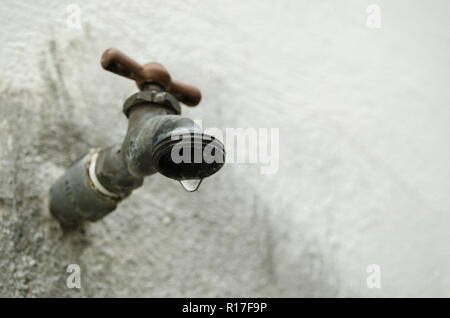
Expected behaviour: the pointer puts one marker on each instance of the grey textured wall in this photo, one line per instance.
(364, 152)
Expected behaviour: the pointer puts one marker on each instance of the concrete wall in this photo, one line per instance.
(364, 151)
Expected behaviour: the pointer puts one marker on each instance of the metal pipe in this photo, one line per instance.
(95, 184)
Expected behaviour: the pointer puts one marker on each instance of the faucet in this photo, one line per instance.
(158, 139)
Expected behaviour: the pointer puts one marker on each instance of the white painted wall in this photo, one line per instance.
(364, 151)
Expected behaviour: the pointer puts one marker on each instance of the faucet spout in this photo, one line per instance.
(158, 141)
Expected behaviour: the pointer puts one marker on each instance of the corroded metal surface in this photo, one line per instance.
(73, 197)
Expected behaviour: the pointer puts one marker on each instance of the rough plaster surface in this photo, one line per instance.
(364, 152)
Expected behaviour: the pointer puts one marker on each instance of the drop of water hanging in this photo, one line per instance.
(191, 185)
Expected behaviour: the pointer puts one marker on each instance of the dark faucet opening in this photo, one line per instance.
(192, 169)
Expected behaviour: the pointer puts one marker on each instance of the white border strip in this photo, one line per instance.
(94, 179)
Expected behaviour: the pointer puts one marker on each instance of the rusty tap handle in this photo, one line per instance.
(115, 61)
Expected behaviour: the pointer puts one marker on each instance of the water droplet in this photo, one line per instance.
(191, 185)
